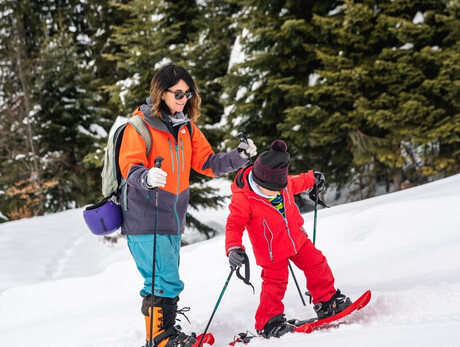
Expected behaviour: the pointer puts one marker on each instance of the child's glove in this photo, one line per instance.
(319, 180)
(236, 258)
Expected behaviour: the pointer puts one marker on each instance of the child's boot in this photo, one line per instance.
(276, 327)
(336, 304)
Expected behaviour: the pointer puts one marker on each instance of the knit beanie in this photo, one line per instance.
(270, 170)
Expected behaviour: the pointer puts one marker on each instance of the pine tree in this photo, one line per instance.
(208, 57)
(21, 175)
(153, 33)
(156, 32)
(378, 94)
(269, 85)
(39, 174)
(66, 126)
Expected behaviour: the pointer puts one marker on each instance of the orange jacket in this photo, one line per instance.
(188, 151)
(179, 155)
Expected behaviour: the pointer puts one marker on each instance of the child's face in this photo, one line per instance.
(268, 192)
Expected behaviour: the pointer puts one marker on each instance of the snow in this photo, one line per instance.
(407, 46)
(313, 78)
(237, 56)
(62, 286)
(419, 18)
(336, 10)
(126, 84)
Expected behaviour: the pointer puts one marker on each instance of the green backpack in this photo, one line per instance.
(112, 179)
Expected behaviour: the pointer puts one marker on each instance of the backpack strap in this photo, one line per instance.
(139, 124)
(190, 128)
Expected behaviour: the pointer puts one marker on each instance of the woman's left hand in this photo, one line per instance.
(247, 150)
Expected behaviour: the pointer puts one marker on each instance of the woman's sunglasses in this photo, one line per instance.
(180, 95)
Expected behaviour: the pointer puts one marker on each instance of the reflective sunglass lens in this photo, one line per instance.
(180, 95)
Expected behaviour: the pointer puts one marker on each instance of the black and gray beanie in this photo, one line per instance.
(270, 170)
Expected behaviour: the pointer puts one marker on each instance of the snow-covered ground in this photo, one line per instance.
(62, 286)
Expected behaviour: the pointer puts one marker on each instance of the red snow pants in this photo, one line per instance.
(320, 282)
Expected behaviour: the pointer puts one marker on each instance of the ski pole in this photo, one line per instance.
(232, 270)
(158, 161)
(314, 240)
(316, 213)
(317, 200)
(297, 284)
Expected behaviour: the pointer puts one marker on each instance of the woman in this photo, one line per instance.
(170, 113)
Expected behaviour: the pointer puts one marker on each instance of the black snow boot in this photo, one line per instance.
(276, 327)
(336, 304)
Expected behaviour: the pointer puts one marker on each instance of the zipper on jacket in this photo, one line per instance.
(265, 201)
(183, 156)
(285, 220)
(269, 243)
(177, 190)
(172, 154)
(147, 203)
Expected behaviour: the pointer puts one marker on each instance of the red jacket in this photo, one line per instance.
(273, 236)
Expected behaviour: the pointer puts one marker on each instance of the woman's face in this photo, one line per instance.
(170, 99)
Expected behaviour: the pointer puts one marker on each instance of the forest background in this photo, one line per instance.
(366, 91)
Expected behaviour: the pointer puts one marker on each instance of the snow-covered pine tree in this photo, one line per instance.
(269, 83)
(208, 56)
(384, 90)
(152, 34)
(157, 32)
(21, 178)
(66, 119)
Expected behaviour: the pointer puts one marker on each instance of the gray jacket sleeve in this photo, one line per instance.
(221, 163)
(137, 177)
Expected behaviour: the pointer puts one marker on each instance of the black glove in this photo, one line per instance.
(319, 180)
(236, 258)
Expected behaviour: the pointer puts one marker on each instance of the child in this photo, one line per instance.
(263, 203)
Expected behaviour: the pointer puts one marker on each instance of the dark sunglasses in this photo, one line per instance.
(180, 95)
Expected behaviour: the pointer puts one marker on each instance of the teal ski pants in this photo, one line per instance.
(167, 281)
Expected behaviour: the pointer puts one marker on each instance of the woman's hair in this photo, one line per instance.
(169, 75)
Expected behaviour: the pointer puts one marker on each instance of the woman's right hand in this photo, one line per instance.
(156, 178)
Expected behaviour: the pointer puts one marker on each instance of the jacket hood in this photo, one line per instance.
(241, 181)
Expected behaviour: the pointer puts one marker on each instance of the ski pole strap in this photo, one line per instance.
(312, 196)
(247, 273)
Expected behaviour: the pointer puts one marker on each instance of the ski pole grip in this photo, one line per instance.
(242, 137)
(158, 161)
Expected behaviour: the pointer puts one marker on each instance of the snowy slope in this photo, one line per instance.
(61, 286)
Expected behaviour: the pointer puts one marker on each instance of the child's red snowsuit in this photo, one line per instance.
(276, 240)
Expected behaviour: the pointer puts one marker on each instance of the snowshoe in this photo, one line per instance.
(276, 327)
(336, 304)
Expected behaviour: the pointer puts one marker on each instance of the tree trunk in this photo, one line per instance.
(19, 58)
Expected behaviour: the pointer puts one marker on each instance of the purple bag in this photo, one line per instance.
(103, 218)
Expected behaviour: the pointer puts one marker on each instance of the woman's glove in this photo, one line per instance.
(247, 150)
(156, 178)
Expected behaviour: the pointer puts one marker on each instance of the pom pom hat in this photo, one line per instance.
(270, 170)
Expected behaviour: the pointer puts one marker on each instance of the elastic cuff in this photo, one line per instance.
(233, 248)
